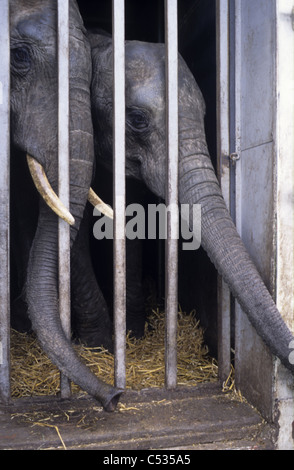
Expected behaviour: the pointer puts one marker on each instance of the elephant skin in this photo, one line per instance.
(146, 161)
(34, 106)
(90, 318)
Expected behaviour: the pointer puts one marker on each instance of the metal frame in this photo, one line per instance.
(119, 254)
(223, 151)
(4, 204)
(63, 175)
(284, 385)
(229, 30)
(172, 145)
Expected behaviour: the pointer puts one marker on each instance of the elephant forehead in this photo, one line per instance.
(145, 77)
(148, 94)
(22, 8)
(35, 25)
(145, 60)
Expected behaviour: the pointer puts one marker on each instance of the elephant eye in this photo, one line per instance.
(137, 119)
(20, 60)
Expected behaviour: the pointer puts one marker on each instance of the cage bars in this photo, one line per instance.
(119, 191)
(4, 204)
(223, 144)
(63, 175)
(171, 269)
(171, 249)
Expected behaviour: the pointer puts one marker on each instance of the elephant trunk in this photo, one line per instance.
(42, 276)
(221, 241)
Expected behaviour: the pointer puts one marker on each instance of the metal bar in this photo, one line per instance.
(236, 182)
(223, 138)
(234, 33)
(4, 204)
(119, 266)
(171, 266)
(63, 172)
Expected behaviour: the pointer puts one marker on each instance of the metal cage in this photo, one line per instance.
(119, 190)
(235, 62)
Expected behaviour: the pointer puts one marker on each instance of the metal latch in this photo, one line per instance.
(234, 157)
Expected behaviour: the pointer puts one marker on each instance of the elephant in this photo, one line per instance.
(90, 319)
(198, 184)
(34, 111)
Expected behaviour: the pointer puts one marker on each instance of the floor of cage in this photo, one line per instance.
(201, 417)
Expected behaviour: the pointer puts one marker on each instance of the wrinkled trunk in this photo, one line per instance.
(90, 317)
(220, 239)
(42, 278)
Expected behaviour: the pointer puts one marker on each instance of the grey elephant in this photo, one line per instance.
(34, 131)
(90, 320)
(146, 160)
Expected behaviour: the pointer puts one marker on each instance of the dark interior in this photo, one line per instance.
(197, 277)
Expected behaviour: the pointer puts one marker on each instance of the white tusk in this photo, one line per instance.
(99, 204)
(43, 186)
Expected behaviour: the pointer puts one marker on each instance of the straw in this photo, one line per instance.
(32, 373)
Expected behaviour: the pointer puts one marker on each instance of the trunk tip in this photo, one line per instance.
(110, 402)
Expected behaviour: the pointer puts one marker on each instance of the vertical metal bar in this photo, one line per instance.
(63, 172)
(4, 204)
(223, 138)
(236, 181)
(234, 79)
(119, 267)
(236, 24)
(171, 267)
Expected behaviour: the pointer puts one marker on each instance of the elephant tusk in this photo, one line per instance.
(101, 206)
(50, 197)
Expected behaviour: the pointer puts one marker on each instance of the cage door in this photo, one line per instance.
(252, 146)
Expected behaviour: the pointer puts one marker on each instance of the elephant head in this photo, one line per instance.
(146, 160)
(34, 110)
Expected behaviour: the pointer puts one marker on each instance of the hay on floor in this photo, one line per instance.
(32, 373)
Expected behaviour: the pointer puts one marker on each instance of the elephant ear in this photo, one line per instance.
(99, 38)
(101, 49)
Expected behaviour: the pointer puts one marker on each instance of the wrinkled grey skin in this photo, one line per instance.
(90, 317)
(146, 160)
(34, 123)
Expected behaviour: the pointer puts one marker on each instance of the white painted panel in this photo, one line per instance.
(284, 390)
(285, 163)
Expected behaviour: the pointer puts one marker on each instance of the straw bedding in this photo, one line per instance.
(32, 373)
